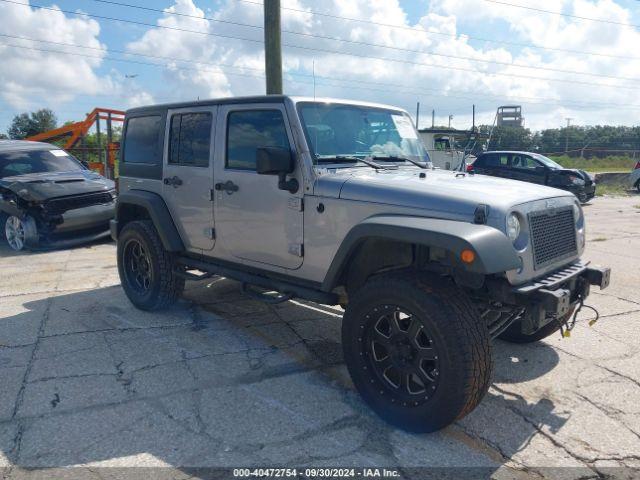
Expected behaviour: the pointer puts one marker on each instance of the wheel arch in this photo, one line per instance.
(405, 236)
(138, 205)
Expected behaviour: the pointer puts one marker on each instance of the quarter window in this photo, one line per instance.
(190, 139)
(142, 140)
(249, 130)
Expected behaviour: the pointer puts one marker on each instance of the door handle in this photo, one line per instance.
(227, 186)
(175, 181)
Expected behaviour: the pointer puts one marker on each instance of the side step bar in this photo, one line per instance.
(285, 288)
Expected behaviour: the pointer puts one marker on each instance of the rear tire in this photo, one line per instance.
(514, 334)
(416, 350)
(146, 269)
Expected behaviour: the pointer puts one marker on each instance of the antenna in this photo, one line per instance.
(314, 78)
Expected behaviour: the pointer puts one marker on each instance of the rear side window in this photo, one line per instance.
(142, 140)
(493, 160)
(248, 130)
(190, 139)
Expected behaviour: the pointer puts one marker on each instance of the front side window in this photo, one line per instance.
(142, 139)
(523, 162)
(340, 130)
(248, 130)
(190, 139)
(37, 161)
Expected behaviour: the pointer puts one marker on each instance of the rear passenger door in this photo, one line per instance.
(188, 174)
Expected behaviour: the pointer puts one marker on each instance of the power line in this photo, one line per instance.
(612, 22)
(415, 30)
(359, 82)
(368, 44)
(368, 57)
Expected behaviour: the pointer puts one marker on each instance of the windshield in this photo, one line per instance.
(24, 162)
(547, 161)
(339, 130)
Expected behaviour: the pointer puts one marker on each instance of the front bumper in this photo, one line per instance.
(554, 294)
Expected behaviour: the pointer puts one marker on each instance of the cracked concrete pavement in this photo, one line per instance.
(221, 380)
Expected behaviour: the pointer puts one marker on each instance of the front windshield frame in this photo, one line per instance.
(547, 162)
(420, 155)
(53, 162)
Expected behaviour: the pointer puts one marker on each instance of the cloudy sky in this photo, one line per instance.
(73, 55)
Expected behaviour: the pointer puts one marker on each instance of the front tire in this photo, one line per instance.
(20, 232)
(416, 350)
(146, 269)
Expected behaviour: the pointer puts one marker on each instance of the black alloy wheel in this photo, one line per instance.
(137, 266)
(402, 354)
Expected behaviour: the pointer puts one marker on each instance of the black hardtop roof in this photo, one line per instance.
(203, 103)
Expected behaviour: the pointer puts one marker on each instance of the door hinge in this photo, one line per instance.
(295, 203)
(211, 233)
(296, 249)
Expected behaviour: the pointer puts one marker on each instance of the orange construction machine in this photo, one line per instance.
(75, 134)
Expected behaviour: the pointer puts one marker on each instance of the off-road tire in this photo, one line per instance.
(460, 337)
(638, 186)
(513, 334)
(165, 286)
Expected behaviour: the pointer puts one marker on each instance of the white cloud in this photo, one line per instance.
(214, 65)
(28, 76)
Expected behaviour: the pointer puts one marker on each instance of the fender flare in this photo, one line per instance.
(494, 251)
(159, 213)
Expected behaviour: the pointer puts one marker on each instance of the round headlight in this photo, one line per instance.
(513, 227)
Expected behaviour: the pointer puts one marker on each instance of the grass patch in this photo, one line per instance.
(611, 190)
(614, 163)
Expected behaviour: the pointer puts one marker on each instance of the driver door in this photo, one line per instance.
(255, 220)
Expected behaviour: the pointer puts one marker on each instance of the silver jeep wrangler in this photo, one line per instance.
(337, 202)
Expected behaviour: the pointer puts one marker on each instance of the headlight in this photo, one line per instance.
(513, 227)
(576, 180)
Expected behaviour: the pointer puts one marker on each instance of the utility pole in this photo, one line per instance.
(417, 116)
(272, 47)
(450, 118)
(473, 121)
(433, 118)
(566, 137)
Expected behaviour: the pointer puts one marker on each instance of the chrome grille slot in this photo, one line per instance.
(553, 235)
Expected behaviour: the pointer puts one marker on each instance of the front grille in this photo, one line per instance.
(553, 234)
(61, 205)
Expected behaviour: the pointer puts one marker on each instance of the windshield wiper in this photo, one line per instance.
(365, 160)
(402, 159)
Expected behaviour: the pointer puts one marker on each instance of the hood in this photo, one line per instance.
(39, 187)
(442, 191)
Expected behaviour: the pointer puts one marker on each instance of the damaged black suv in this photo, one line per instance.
(48, 198)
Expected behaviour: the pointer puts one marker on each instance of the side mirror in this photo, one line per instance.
(277, 161)
(274, 161)
(540, 169)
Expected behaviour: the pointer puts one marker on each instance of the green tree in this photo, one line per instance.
(26, 125)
